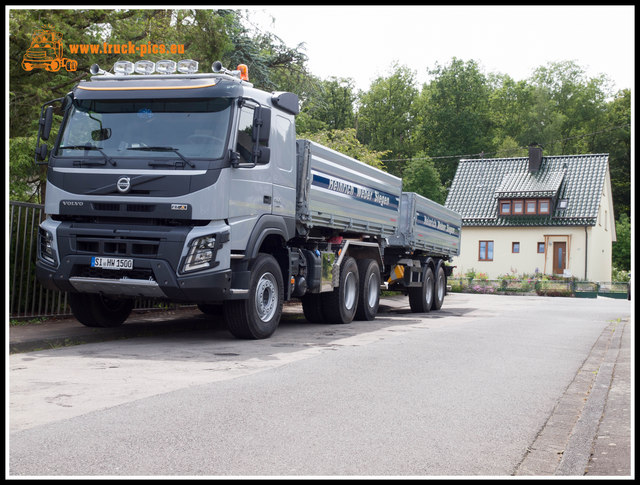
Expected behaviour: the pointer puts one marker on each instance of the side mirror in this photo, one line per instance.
(41, 153)
(264, 154)
(45, 122)
(44, 130)
(261, 125)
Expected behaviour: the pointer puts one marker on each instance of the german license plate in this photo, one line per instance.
(111, 263)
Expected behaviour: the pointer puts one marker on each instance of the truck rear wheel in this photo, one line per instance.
(368, 289)
(440, 287)
(93, 310)
(258, 316)
(421, 298)
(340, 305)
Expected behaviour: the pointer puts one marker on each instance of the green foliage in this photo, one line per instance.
(345, 141)
(27, 180)
(454, 117)
(385, 118)
(421, 176)
(621, 249)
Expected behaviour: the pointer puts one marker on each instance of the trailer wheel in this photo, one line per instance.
(258, 316)
(340, 305)
(312, 307)
(93, 310)
(421, 298)
(440, 286)
(368, 289)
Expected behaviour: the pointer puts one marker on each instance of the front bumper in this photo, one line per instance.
(153, 278)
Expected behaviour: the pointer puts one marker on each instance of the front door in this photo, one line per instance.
(559, 257)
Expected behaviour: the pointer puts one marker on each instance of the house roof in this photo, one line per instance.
(480, 183)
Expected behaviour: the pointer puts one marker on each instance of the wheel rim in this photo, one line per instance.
(440, 286)
(374, 285)
(350, 290)
(428, 294)
(266, 300)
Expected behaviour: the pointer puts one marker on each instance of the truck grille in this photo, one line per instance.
(121, 246)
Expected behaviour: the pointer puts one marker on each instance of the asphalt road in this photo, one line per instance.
(466, 391)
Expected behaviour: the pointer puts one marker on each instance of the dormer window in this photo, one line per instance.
(518, 207)
(543, 206)
(529, 207)
(505, 207)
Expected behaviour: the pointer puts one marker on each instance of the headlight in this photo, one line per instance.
(201, 254)
(46, 252)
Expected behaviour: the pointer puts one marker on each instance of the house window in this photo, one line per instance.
(485, 252)
(518, 207)
(515, 247)
(540, 247)
(505, 207)
(543, 206)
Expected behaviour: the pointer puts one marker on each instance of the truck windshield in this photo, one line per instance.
(155, 128)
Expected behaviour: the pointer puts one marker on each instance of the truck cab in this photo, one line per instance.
(165, 186)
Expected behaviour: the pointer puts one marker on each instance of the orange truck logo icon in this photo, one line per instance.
(46, 52)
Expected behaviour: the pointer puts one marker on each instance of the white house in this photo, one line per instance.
(552, 215)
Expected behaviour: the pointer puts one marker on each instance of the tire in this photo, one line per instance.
(312, 308)
(421, 298)
(368, 289)
(440, 288)
(258, 316)
(340, 305)
(93, 310)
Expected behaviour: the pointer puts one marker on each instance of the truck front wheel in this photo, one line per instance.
(340, 305)
(93, 310)
(421, 298)
(258, 316)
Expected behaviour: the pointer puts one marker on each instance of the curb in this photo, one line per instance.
(564, 445)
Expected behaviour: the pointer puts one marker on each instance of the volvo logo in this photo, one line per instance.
(123, 184)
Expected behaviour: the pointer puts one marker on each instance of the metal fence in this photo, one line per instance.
(27, 297)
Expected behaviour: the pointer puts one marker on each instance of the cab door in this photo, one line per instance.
(251, 186)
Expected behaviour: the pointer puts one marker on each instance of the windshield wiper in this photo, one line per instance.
(163, 149)
(89, 147)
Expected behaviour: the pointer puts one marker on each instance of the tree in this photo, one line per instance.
(621, 251)
(453, 115)
(385, 118)
(575, 103)
(326, 104)
(345, 142)
(421, 176)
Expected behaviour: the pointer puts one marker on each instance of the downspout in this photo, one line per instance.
(586, 247)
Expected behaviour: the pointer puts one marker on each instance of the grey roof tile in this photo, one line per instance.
(479, 183)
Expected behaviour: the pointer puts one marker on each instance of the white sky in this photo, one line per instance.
(361, 42)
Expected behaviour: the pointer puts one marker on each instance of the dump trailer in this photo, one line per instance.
(193, 188)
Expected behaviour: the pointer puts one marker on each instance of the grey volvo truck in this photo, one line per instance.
(192, 187)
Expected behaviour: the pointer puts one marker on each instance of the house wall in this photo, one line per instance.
(601, 236)
(528, 260)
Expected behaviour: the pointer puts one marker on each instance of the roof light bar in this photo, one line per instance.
(166, 67)
(145, 67)
(121, 68)
(188, 66)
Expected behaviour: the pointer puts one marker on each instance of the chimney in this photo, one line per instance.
(535, 157)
